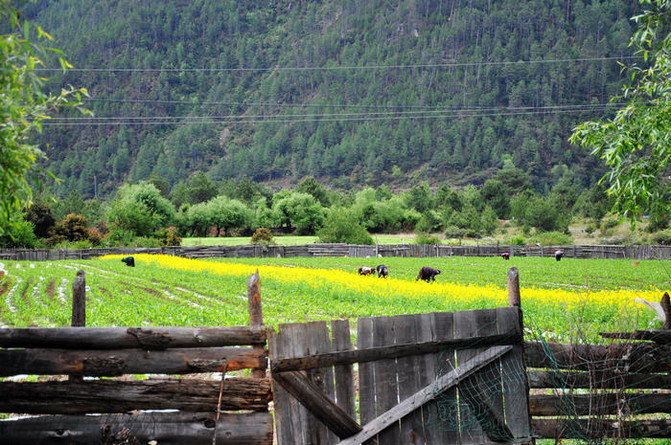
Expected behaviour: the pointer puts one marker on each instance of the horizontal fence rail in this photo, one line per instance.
(633, 252)
(602, 392)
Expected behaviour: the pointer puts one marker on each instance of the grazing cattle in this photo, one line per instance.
(129, 261)
(366, 271)
(427, 274)
(382, 271)
(505, 256)
(559, 254)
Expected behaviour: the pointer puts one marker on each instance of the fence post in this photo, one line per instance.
(79, 300)
(78, 308)
(666, 306)
(514, 298)
(255, 313)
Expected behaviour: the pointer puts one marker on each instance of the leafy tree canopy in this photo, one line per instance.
(636, 143)
(25, 105)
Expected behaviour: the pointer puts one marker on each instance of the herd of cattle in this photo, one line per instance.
(426, 273)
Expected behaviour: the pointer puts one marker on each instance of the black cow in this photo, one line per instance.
(427, 274)
(382, 271)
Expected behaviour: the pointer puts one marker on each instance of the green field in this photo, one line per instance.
(39, 294)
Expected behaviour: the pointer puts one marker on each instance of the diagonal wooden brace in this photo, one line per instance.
(321, 406)
(421, 397)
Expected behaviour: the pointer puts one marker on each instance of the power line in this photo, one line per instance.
(346, 67)
(299, 105)
(342, 117)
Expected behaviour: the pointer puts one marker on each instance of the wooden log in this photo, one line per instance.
(595, 429)
(597, 380)
(126, 361)
(152, 338)
(115, 396)
(638, 357)
(599, 404)
(163, 428)
(79, 299)
(78, 305)
(666, 307)
(375, 353)
(514, 298)
(311, 396)
(255, 315)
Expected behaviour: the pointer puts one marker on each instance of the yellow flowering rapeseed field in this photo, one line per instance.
(541, 305)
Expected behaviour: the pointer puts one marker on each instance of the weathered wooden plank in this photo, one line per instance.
(386, 385)
(480, 397)
(255, 315)
(343, 374)
(153, 338)
(288, 423)
(126, 361)
(595, 429)
(410, 373)
(114, 396)
(441, 414)
(599, 404)
(597, 380)
(321, 406)
(410, 404)
(364, 340)
(319, 342)
(163, 428)
(514, 380)
(637, 357)
(374, 353)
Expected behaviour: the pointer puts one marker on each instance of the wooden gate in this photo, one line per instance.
(437, 378)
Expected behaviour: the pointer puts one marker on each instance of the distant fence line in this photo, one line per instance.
(633, 252)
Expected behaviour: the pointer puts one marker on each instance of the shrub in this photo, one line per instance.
(80, 244)
(663, 238)
(609, 223)
(263, 235)
(590, 229)
(425, 238)
(552, 239)
(170, 237)
(20, 234)
(342, 226)
(455, 232)
(119, 238)
(519, 240)
(145, 241)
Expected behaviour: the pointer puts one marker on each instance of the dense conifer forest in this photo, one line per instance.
(352, 92)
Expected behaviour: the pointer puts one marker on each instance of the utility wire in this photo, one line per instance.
(443, 111)
(304, 105)
(339, 68)
(214, 120)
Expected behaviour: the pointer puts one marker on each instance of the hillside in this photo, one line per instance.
(351, 92)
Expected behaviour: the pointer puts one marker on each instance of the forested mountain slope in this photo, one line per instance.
(349, 91)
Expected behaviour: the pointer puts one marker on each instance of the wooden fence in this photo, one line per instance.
(608, 392)
(633, 252)
(201, 409)
(438, 378)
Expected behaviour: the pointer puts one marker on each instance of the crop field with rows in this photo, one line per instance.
(560, 300)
